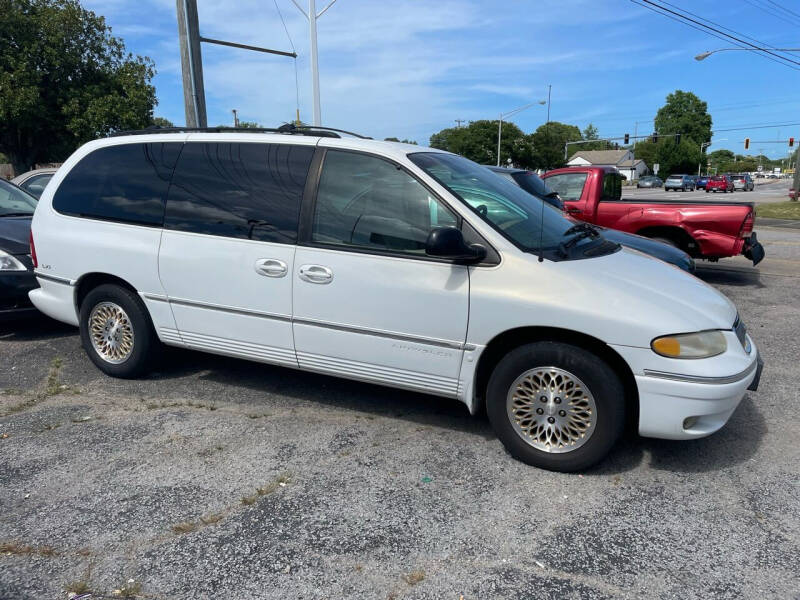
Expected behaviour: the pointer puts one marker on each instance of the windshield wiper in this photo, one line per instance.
(579, 231)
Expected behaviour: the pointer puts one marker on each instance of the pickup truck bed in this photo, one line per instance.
(704, 229)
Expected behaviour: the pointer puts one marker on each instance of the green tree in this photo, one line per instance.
(686, 114)
(65, 80)
(676, 158)
(162, 122)
(249, 125)
(590, 133)
(548, 144)
(478, 141)
(403, 141)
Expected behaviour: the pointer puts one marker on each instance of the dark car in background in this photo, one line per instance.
(536, 186)
(16, 267)
(701, 181)
(650, 181)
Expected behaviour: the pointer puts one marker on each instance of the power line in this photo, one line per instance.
(791, 12)
(764, 51)
(772, 12)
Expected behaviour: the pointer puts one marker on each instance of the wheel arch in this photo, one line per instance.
(677, 234)
(508, 340)
(86, 283)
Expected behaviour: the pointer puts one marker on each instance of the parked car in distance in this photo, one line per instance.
(533, 184)
(389, 263)
(649, 181)
(719, 183)
(685, 183)
(701, 181)
(35, 181)
(743, 182)
(16, 267)
(709, 230)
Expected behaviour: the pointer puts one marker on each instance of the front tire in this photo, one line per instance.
(555, 406)
(116, 331)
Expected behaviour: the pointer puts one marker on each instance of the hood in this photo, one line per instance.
(626, 298)
(15, 234)
(660, 250)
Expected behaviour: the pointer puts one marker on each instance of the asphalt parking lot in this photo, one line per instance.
(220, 478)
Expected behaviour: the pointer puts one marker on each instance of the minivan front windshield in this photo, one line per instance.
(530, 223)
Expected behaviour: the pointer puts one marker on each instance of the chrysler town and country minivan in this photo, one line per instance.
(387, 263)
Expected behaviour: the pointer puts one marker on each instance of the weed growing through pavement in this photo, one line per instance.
(51, 386)
(82, 585)
(415, 577)
(20, 549)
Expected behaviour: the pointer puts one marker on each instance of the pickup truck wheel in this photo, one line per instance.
(116, 331)
(555, 406)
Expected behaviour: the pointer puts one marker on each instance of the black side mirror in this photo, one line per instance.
(448, 242)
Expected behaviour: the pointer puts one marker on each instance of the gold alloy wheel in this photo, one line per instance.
(111, 332)
(551, 409)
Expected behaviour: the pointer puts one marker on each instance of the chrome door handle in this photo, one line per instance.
(271, 267)
(316, 274)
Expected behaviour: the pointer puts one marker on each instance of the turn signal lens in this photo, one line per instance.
(702, 344)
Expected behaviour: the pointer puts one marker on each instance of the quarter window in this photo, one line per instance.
(369, 202)
(241, 190)
(612, 187)
(126, 183)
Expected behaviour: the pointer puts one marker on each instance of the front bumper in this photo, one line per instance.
(14, 301)
(681, 408)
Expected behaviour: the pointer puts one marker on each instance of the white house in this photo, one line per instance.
(622, 160)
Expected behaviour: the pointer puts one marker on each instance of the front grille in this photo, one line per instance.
(741, 332)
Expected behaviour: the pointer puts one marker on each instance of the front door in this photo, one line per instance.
(368, 303)
(227, 250)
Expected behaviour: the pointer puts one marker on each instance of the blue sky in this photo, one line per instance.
(409, 68)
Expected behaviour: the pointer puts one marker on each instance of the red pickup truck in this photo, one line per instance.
(703, 229)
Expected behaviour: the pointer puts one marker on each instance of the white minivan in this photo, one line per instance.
(388, 263)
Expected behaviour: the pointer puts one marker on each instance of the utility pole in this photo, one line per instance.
(459, 122)
(549, 89)
(235, 118)
(312, 15)
(194, 99)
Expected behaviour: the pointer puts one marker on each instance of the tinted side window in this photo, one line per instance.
(126, 183)
(369, 202)
(612, 187)
(241, 190)
(36, 184)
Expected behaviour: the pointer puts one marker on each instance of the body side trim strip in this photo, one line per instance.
(286, 318)
(54, 278)
(701, 379)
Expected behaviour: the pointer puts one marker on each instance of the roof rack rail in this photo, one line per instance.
(286, 128)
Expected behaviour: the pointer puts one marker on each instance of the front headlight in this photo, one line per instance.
(9, 263)
(702, 344)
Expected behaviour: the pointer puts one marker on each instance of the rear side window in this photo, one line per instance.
(241, 190)
(568, 185)
(612, 187)
(126, 183)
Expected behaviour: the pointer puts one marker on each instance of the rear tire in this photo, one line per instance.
(542, 433)
(116, 331)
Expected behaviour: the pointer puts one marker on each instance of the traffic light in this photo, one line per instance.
(628, 139)
(746, 143)
(791, 142)
(677, 138)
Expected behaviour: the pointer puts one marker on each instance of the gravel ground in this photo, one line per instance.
(219, 478)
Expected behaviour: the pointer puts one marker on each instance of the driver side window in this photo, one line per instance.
(367, 202)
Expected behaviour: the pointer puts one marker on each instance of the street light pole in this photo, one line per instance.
(312, 15)
(510, 114)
